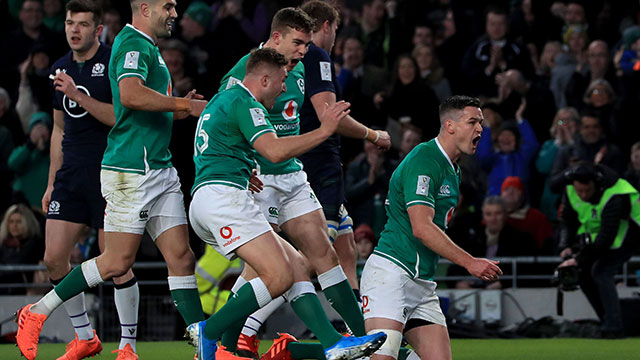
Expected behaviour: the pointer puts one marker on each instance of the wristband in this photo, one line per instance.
(183, 104)
(371, 137)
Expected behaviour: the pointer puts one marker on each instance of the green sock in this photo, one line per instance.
(404, 352)
(188, 303)
(231, 335)
(234, 312)
(72, 284)
(308, 308)
(344, 302)
(300, 350)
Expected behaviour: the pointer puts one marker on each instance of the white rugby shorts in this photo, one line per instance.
(285, 197)
(226, 217)
(390, 292)
(136, 202)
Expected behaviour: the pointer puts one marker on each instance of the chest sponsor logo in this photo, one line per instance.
(445, 190)
(290, 111)
(54, 208)
(325, 71)
(257, 115)
(448, 217)
(71, 107)
(131, 60)
(97, 70)
(423, 185)
(301, 85)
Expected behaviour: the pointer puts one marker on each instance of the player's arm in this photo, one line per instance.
(423, 227)
(277, 149)
(349, 126)
(102, 111)
(55, 155)
(135, 95)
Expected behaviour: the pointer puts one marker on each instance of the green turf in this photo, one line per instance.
(492, 349)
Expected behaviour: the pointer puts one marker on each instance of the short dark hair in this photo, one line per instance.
(457, 102)
(92, 6)
(292, 18)
(265, 56)
(321, 11)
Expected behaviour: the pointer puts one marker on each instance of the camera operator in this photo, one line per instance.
(600, 220)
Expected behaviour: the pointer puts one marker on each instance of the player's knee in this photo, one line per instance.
(278, 283)
(181, 262)
(55, 263)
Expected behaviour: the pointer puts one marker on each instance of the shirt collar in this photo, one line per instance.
(249, 91)
(445, 154)
(143, 34)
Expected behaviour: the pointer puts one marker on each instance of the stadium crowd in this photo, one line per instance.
(558, 80)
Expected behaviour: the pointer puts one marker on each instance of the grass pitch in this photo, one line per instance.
(463, 349)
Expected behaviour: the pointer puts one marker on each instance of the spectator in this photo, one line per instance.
(112, 21)
(411, 137)
(173, 52)
(495, 238)
(30, 162)
(194, 24)
(450, 46)
(492, 118)
(546, 63)
(525, 218)
(16, 47)
(21, 242)
(627, 59)
(590, 146)
(566, 63)
(422, 36)
(34, 93)
(251, 16)
(409, 99)
(540, 108)
(600, 216)
(366, 186)
(365, 243)
(515, 148)
(600, 98)
(9, 118)
(632, 175)
(431, 72)
(598, 67)
(563, 132)
(54, 15)
(492, 54)
(6, 147)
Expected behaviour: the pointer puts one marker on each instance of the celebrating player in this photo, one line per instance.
(224, 215)
(398, 291)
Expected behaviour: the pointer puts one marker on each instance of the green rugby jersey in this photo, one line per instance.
(425, 177)
(284, 115)
(139, 141)
(227, 129)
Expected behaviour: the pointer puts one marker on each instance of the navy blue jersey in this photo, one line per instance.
(319, 77)
(85, 138)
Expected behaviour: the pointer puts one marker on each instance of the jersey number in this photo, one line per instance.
(201, 134)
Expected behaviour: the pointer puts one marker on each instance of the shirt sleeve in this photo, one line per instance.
(253, 121)
(318, 73)
(133, 59)
(234, 76)
(419, 184)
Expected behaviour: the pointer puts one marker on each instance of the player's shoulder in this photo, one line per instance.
(315, 54)
(298, 70)
(426, 155)
(130, 38)
(62, 62)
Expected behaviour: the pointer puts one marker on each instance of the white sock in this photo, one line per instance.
(261, 292)
(127, 298)
(254, 321)
(240, 281)
(77, 312)
(47, 304)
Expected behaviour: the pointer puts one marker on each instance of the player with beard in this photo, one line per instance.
(289, 203)
(139, 183)
(82, 115)
(398, 291)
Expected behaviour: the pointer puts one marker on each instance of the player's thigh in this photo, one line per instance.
(119, 253)
(174, 246)
(308, 233)
(383, 288)
(431, 342)
(165, 211)
(265, 253)
(127, 195)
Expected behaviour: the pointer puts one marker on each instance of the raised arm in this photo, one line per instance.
(102, 111)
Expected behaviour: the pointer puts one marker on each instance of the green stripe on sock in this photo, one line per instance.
(187, 302)
(309, 310)
(344, 302)
(235, 311)
(72, 284)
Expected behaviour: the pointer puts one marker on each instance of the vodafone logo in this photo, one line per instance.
(226, 232)
(365, 304)
(290, 111)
